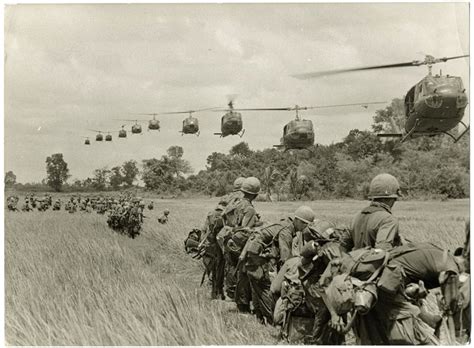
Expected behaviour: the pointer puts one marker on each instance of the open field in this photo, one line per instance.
(70, 280)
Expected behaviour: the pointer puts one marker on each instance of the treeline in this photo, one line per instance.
(426, 167)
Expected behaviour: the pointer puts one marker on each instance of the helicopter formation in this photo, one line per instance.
(433, 106)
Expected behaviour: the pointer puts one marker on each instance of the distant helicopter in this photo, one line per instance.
(433, 106)
(87, 141)
(299, 133)
(231, 122)
(190, 124)
(122, 133)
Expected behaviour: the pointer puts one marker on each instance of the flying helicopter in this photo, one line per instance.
(231, 122)
(190, 124)
(433, 106)
(87, 141)
(299, 133)
(122, 133)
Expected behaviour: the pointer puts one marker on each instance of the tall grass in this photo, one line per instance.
(70, 280)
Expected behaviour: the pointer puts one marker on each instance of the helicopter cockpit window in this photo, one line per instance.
(430, 86)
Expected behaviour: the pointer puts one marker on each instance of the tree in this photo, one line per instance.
(180, 166)
(130, 172)
(175, 152)
(361, 144)
(57, 171)
(241, 149)
(10, 179)
(100, 178)
(116, 177)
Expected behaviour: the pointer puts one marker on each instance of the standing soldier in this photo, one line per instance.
(375, 226)
(242, 214)
(134, 219)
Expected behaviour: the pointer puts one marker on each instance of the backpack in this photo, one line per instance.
(191, 243)
(229, 215)
(237, 240)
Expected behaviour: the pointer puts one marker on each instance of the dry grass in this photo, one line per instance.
(70, 280)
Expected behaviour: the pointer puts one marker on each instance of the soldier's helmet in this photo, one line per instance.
(384, 186)
(305, 214)
(166, 212)
(251, 185)
(238, 183)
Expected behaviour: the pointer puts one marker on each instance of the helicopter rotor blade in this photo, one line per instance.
(187, 111)
(97, 131)
(316, 74)
(429, 60)
(339, 105)
(445, 59)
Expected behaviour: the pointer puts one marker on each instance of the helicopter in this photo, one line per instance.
(298, 134)
(87, 141)
(433, 106)
(190, 124)
(231, 122)
(122, 133)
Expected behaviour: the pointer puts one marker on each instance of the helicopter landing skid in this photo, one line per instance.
(406, 136)
(462, 134)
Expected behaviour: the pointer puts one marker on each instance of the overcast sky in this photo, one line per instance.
(73, 67)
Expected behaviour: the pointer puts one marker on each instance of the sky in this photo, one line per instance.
(70, 68)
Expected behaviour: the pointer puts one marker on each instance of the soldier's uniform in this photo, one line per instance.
(376, 227)
(245, 216)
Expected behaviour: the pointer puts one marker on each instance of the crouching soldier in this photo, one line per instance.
(386, 303)
(163, 219)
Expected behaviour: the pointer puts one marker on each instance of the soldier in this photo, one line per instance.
(163, 219)
(57, 205)
(134, 220)
(150, 205)
(375, 226)
(26, 205)
(240, 213)
(12, 203)
(290, 240)
(388, 306)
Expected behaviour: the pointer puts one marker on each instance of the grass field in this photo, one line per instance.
(70, 280)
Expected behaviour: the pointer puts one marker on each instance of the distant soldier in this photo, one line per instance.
(26, 205)
(134, 220)
(163, 219)
(33, 201)
(12, 202)
(57, 205)
(88, 207)
(150, 205)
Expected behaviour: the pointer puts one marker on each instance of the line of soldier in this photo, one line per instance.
(317, 281)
